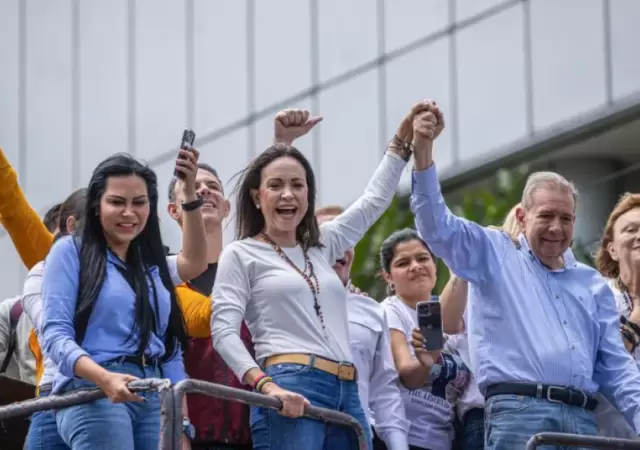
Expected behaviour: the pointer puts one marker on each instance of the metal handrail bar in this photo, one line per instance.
(172, 410)
(579, 440)
(27, 407)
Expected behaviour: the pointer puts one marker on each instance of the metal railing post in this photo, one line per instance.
(27, 407)
(249, 398)
(578, 440)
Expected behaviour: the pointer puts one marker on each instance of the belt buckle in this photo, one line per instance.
(346, 371)
(550, 390)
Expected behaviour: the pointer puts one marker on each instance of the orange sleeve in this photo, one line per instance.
(30, 237)
(34, 346)
(196, 309)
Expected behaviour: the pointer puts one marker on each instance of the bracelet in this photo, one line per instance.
(193, 205)
(405, 149)
(258, 380)
(264, 380)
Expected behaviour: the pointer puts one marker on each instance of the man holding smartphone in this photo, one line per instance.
(544, 334)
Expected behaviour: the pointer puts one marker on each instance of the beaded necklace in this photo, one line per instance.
(311, 278)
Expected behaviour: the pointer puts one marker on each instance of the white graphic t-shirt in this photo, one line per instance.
(430, 408)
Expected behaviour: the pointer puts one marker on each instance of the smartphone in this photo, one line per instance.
(430, 323)
(188, 138)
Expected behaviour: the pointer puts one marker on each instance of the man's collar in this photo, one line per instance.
(568, 258)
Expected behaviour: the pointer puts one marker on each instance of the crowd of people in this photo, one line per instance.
(535, 341)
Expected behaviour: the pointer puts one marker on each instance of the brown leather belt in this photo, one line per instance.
(344, 371)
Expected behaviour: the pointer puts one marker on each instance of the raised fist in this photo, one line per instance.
(290, 124)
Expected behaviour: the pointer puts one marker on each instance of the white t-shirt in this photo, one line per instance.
(430, 408)
(255, 284)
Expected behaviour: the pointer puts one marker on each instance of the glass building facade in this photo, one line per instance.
(551, 81)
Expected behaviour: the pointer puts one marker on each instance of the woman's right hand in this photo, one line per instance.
(292, 404)
(115, 387)
(426, 358)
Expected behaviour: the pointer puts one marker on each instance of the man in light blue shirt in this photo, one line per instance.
(544, 334)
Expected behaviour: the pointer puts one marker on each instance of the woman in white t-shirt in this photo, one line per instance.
(618, 259)
(279, 278)
(433, 381)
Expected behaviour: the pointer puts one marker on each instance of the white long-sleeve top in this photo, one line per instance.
(256, 285)
(32, 306)
(377, 375)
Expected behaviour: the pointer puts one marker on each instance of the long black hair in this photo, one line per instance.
(145, 252)
(250, 221)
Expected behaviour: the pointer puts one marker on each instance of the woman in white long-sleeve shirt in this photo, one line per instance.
(278, 277)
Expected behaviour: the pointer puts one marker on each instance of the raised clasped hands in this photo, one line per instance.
(291, 124)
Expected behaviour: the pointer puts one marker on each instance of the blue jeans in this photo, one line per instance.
(43, 431)
(272, 431)
(511, 420)
(103, 425)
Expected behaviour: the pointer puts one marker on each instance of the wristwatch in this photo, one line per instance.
(188, 429)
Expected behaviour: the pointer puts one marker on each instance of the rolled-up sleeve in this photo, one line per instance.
(471, 251)
(615, 370)
(231, 293)
(59, 296)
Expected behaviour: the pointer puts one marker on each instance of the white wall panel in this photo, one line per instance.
(409, 20)
(220, 54)
(491, 84)
(349, 147)
(568, 59)
(466, 9)
(348, 36)
(103, 120)
(9, 106)
(160, 76)
(48, 114)
(419, 75)
(13, 272)
(625, 36)
(282, 50)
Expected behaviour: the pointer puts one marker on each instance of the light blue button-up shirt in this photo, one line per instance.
(111, 321)
(528, 323)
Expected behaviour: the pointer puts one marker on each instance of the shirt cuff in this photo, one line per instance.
(425, 182)
(66, 368)
(395, 439)
(174, 370)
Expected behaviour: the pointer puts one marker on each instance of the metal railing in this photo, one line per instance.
(173, 402)
(578, 440)
(172, 406)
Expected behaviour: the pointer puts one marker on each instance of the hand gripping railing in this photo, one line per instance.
(172, 410)
(27, 407)
(578, 440)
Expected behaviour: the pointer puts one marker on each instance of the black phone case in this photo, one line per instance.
(430, 324)
(188, 138)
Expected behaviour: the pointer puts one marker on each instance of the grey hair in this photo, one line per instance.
(546, 180)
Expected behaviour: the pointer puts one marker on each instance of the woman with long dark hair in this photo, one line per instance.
(279, 278)
(110, 309)
(432, 382)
